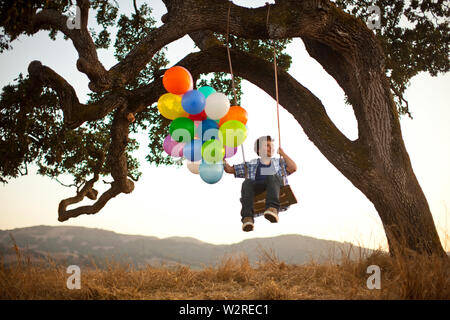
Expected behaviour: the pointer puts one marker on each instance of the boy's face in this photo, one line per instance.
(266, 149)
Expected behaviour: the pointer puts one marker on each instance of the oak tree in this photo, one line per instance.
(43, 122)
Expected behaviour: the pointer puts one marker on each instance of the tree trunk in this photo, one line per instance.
(403, 209)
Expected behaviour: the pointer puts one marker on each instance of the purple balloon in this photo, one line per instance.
(230, 151)
(172, 147)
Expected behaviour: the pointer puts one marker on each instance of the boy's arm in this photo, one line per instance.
(238, 169)
(291, 166)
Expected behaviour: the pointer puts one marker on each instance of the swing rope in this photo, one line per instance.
(276, 82)
(276, 85)
(276, 78)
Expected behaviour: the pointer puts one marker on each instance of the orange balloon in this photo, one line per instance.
(177, 80)
(235, 113)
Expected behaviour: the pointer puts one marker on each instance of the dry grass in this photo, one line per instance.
(234, 278)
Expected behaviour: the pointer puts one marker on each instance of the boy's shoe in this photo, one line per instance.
(271, 214)
(247, 224)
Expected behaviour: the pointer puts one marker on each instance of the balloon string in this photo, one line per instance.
(243, 156)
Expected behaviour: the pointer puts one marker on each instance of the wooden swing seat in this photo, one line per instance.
(287, 198)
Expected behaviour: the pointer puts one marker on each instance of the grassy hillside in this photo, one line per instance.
(234, 278)
(285, 267)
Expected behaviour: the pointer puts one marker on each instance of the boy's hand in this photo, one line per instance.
(291, 166)
(228, 168)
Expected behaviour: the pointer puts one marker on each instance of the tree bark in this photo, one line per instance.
(405, 214)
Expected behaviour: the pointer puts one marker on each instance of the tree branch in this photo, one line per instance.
(75, 113)
(136, 8)
(64, 214)
(188, 16)
(88, 61)
(205, 39)
(116, 160)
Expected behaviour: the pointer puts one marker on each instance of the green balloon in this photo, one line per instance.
(212, 151)
(206, 90)
(182, 129)
(232, 133)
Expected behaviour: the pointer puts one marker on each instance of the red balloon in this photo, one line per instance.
(198, 117)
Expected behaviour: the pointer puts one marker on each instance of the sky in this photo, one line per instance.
(170, 201)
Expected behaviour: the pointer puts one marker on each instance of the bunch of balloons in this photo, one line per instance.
(205, 129)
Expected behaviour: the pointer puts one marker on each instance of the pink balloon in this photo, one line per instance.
(172, 147)
(230, 151)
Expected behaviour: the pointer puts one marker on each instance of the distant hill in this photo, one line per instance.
(88, 246)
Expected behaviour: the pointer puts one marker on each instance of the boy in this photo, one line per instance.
(264, 173)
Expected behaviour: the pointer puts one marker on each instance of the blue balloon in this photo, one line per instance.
(218, 120)
(210, 172)
(209, 130)
(193, 102)
(193, 150)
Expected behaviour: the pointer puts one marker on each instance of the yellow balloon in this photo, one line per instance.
(232, 133)
(169, 105)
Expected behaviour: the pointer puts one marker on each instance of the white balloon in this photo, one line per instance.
(193, 166)
(217, 105)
